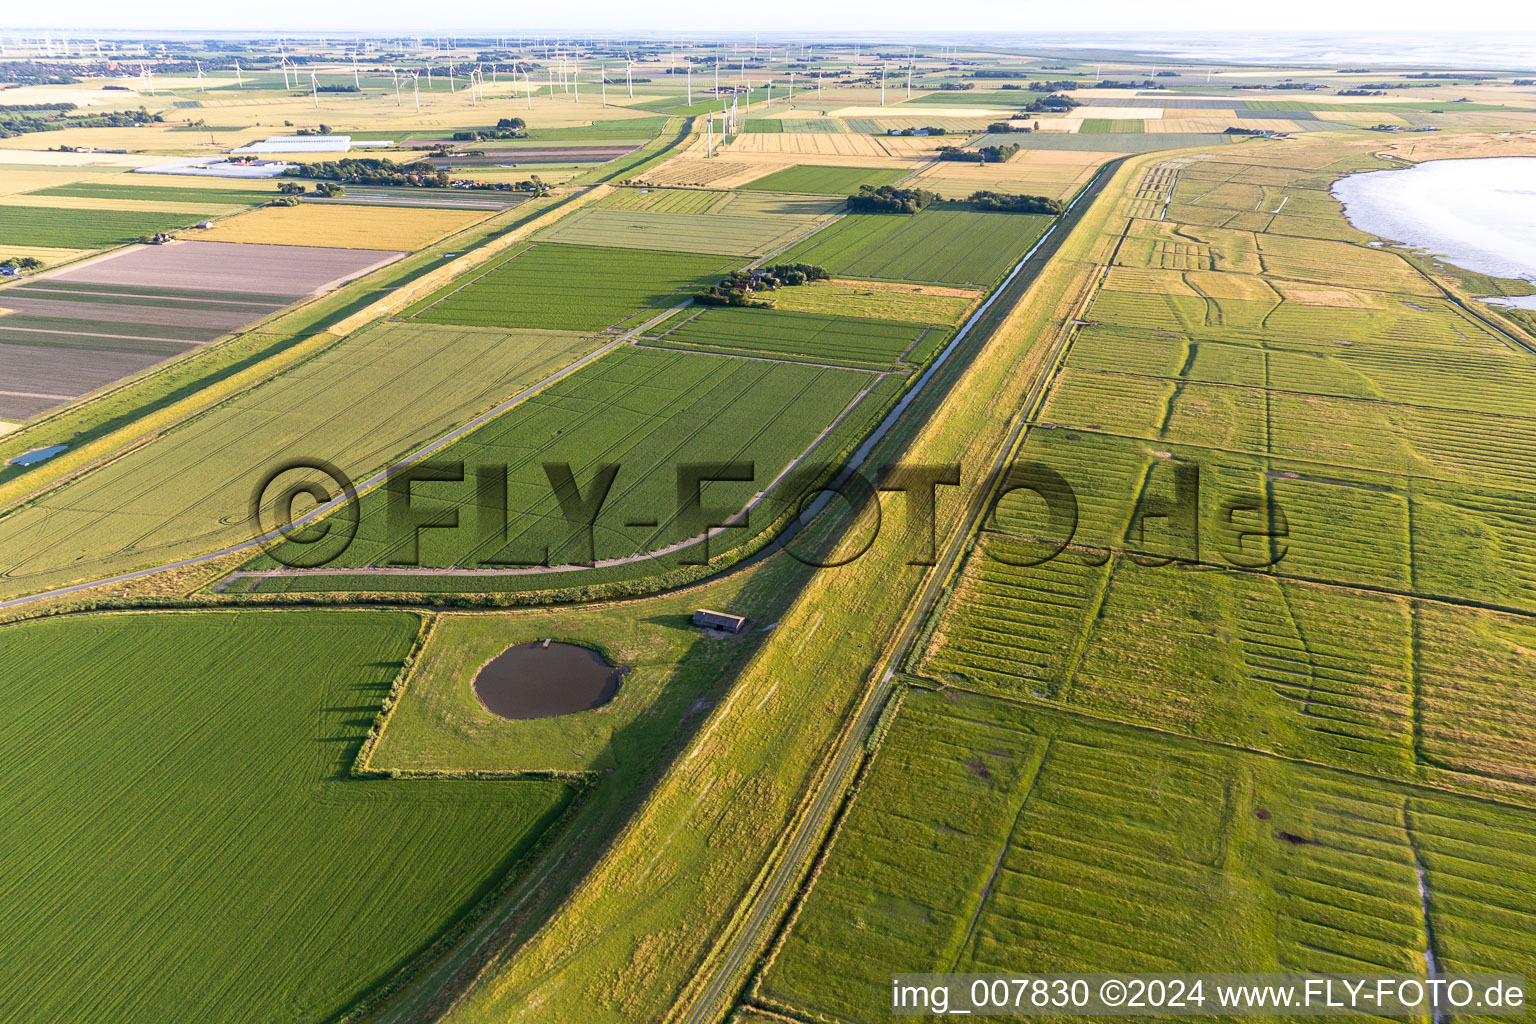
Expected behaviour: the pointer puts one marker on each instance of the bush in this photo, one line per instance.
(890, 199)
(1009, 203)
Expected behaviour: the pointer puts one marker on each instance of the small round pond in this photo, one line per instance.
(544, 679)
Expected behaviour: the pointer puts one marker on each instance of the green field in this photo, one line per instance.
(1112, 126)
(648, 412)
(719, 234)
(567, 287)
(994, 838)
(824, 180)
(359, 404)
(1390, 427)
(85, 229)
(187, 843)
(164, 193)
(693, 220)
(943, 246)
(809, 336)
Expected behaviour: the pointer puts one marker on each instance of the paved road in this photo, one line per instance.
(728, 968)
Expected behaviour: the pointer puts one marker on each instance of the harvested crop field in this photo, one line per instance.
(342, 226)
(68, 333)
(168, 815)
(944, 246)
(885, 149)
(1032, 172)
(568, 287)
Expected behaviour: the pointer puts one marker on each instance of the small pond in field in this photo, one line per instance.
(37, 455)
(1479, 214)
(544, 679)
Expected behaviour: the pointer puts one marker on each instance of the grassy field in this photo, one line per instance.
(809, 336)
(1052, 844)
(648, 412)
(568, 287)
(1333, 380)
(691, 220)
(343, 226)
(358, 403)
(165, 818)
(825, 180)
(943, 246)
(670, 667)
(880, 300)
(173, 193)
(86, 229)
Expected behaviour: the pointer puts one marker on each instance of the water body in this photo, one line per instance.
(37, 455)
(544, 679)
(1478, 214)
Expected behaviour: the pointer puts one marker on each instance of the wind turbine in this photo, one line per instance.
(629, 79)
(239, 79)
(451, 86)
(688, 76)
(576, 81)
(283, 63)
(527, 89)
(909, 81)
(199, 65)
(791, 87)
(603, 76)
(416, 89)
(358, 85)
(314, 88)
(395, 75)
(882, 85)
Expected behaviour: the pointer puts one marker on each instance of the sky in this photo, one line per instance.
(885, 18)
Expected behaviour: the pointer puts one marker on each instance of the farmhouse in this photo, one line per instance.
(719, 620)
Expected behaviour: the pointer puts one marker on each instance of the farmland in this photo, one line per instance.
(84, 327)
(939, 245)
(568, 287)
(645, 411)
(86, 228)
(826, 180)
(159, 821)
(692, 221)
(1266, 710)
(357, 403)
(1046, 843)
(880, 300)
(809, 336)
(342, 226)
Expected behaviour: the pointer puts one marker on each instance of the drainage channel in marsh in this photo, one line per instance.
(543, 679)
